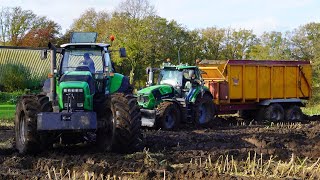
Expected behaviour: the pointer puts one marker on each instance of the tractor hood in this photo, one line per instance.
(151, 96)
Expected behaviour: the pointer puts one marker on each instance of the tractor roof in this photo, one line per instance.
(179, 67)
(102, 45)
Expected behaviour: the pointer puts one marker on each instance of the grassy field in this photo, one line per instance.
(7, 112)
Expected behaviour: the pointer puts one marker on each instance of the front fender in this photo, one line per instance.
(119, 83)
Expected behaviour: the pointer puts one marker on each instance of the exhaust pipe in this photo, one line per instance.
(150, 76)
(53, 71)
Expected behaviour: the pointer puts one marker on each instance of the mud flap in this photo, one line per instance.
(50, 121)
(148, 117)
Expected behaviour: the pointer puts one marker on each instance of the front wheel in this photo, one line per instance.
(120, 124)
(26, 137)
(169, 115)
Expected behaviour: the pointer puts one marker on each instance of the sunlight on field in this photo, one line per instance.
(6, 113)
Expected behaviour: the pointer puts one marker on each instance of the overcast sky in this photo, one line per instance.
(258, 15)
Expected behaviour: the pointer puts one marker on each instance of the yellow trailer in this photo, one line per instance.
(275, 88)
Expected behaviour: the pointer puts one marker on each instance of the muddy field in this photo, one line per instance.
(182, 154)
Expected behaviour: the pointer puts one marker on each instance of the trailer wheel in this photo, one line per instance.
(203, 110)
(169, 115)
(120, 124)
(274, 113)
(293, 114)
(26, 137)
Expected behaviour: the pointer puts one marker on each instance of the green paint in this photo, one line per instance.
(88, 98)
(115, 82)
(146, 93)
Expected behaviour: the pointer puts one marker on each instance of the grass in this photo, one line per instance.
(312, 110)
(7, 112)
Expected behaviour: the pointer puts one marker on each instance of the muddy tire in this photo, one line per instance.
(274, 113)
(294, 114)
(119, 124)
(26, 136)
(203, 110)
(168, 116)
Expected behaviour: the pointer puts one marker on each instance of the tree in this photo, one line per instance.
(212, 42)
(46, 32)
(236, 44)
(271, 45)
(18, 25)
(92, 21)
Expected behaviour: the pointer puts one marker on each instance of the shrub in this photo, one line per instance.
(10, 98)
(14, 77)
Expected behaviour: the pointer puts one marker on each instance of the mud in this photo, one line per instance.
(166, 154)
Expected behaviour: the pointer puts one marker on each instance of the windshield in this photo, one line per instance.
(84, 59)
(171, 77)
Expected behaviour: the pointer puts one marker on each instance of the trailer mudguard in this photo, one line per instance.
(291, 100)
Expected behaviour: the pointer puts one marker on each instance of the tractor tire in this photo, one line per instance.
(168, 117)
(203, 110)
(274, 113)
(119, 124)
(47, 139)
(26, 136)
(293, 114)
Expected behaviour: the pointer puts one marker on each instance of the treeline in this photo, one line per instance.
(150, 39)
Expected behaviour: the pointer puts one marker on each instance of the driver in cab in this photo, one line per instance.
(88, 62)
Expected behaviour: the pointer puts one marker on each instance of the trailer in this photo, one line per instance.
(259, 89)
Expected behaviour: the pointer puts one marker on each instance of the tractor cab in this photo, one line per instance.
(182, 78)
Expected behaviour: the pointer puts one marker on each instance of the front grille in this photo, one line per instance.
(72, 99)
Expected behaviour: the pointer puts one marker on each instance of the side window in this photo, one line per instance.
(108, 63)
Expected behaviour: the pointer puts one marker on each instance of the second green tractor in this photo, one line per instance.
(178, 96)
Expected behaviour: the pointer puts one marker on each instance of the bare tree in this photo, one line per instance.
(136, 9)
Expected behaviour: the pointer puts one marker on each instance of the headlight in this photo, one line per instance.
(72, 90)
(143, 99)
(79, 104)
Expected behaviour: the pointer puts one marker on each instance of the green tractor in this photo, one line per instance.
(83, 100)
(179, 96)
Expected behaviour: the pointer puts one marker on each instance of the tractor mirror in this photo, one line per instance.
(44, 54)
(123, 52)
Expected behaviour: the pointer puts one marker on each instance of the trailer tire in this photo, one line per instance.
(293, 114)
(203, 110)
(121, 124)
(169, 115)
(26, 137)
(274, 113)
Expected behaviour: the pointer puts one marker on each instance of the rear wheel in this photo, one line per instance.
(119, 124)
(274, 113)
(203, 110)
(26, 137)
(169, 115)
(293, 114)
